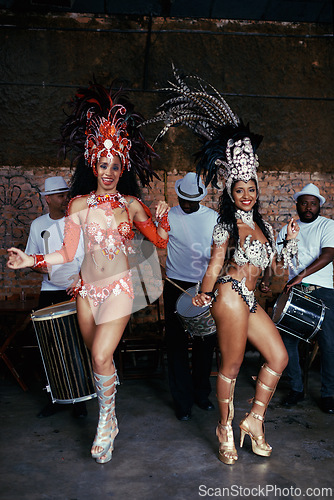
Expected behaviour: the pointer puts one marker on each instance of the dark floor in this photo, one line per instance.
(157, 456)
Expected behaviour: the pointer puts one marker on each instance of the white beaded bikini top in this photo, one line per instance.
(253, 252)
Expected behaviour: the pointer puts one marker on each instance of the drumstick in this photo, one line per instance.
(177, 286)
(46, 235)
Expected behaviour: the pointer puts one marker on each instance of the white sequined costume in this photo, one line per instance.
(252, 252)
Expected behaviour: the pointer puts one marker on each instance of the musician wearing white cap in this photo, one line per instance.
(46, 235)
(188, 254)
(314, 275)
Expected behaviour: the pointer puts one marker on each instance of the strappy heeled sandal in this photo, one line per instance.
(259, 444)
(107, 457)
(107, 428)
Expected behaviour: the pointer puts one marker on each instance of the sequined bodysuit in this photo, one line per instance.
(252, 252)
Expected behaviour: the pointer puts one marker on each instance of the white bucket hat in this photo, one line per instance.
(191, 187)
(54, 185)
(312, 190)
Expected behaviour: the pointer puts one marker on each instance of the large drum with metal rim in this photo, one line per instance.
(65, 357)
(197, 321)
(298, 314)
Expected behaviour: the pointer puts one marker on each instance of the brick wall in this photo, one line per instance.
(21, 202)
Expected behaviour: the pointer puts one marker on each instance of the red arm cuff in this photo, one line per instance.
(149, 230)
(39, 262)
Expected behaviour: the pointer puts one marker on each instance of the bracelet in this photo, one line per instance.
(210, 294)
(163, 222)
(290, 250)
(39, 261)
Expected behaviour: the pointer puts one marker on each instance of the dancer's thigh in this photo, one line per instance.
(106, 338)
(102, 327)
(114, 308)
(231, 314)
(86, 320)
(264, 336)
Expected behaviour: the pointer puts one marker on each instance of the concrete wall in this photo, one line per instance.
(277, 76)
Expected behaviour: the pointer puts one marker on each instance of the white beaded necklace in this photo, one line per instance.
(246, 217)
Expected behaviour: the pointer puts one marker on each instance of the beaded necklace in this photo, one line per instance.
(114, 199)
(246, 217)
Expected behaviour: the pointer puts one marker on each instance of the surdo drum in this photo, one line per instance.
(298, 314)
(65, 357)
(196, 320)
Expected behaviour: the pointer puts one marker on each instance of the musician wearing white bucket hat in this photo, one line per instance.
(188, 253)
(314, 275)
(46, 235)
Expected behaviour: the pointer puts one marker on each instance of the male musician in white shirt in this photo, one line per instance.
(188, 254)
(45, 236)
(314, 276)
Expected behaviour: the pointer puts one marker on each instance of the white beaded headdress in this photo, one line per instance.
(241, 164)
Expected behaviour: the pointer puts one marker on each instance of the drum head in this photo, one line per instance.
(55, 311)
(185, 307)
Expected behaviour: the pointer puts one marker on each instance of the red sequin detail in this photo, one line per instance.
(39, 262)
(99, 294)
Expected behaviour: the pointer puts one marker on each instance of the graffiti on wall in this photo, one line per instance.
(20, 204)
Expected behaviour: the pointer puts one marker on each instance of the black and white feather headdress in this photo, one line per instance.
(227, 145)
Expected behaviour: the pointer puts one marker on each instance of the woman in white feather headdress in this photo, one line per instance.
(243, 246)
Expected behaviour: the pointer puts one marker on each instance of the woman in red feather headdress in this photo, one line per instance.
(103, 130)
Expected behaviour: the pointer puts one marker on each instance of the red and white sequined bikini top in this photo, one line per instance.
(112, 241)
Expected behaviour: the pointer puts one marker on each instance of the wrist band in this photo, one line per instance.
(210, 294)
(163, 222)
(39, 261)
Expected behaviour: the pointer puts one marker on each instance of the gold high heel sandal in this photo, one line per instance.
(227, 452)
(259, 444)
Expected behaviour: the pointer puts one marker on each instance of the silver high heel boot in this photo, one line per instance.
(107, 428)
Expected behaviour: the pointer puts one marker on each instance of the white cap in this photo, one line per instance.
(190, 187)
(54, 185)
(312, 190)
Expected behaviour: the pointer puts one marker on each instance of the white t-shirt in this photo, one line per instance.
(46, 236)
(312, 238)
(189, 244)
